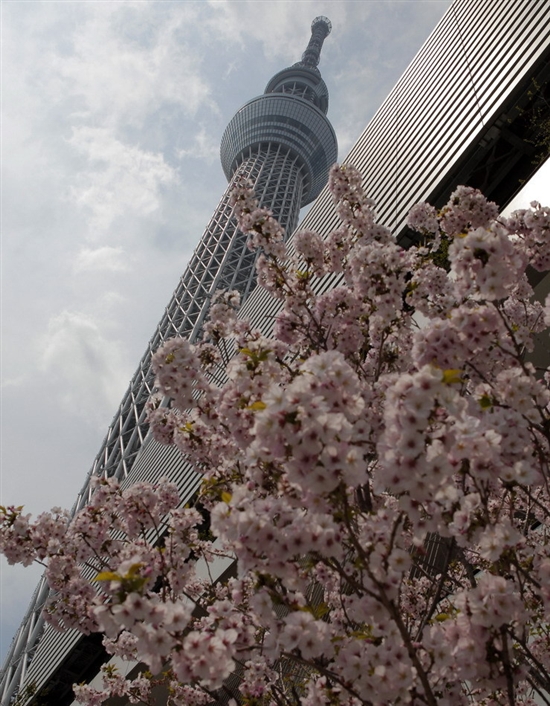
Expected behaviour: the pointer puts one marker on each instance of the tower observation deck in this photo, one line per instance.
(283, 142)
(289, 119)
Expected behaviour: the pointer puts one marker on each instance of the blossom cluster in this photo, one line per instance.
(377, 470)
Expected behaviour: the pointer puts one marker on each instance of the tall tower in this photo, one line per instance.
(283, 142)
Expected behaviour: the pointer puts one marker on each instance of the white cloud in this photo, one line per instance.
(121, 177)
(280, 27)
(85, 364)
(204, 147)
(104, 258)
(143, 60)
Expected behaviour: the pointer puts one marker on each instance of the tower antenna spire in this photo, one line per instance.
(320, 29)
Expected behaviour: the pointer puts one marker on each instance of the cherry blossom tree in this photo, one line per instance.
(377, 469)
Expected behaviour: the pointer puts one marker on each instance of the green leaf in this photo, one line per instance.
(108, 576)
(134, 570)
(452, 376)
(257, 406)
(485, 402)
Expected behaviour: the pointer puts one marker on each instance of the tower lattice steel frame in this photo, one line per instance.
(283, 142)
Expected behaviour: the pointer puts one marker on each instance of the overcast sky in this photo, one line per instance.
(112, 119)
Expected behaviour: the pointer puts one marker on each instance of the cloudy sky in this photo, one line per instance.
(112, 119)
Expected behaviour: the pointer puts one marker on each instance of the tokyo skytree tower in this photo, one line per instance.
(283, 142)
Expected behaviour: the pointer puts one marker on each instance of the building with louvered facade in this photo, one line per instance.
(471, 108)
